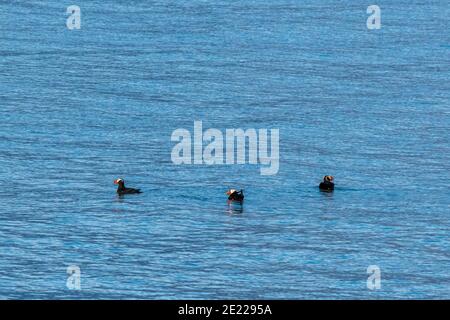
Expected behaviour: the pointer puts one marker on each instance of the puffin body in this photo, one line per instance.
(327, 184)
(122, 190)
(234, 195)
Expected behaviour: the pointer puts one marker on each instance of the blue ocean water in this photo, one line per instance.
(80, 108)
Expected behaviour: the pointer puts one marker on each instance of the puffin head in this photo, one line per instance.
(119, 181)
(328, 178)
(230, 192)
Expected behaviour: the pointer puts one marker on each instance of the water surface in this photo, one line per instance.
(81, 108)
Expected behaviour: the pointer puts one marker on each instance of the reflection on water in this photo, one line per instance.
(327, 194)
(235, 207)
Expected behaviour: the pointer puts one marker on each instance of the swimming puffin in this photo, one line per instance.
(327, 184)
(122, 190)
(234, 195)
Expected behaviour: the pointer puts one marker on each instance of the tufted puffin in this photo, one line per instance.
(234, 195)
(122, 190)
(327, 184)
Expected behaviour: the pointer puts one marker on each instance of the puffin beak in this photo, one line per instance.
(115, 181)
(227, 193)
